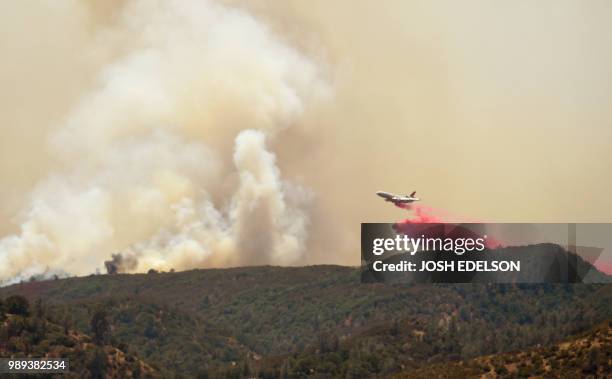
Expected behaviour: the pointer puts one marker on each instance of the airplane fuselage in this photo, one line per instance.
(397, 199)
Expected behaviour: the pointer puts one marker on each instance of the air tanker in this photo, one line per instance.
(398, 199)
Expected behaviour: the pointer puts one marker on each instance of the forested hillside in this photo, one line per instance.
(587, 355)
(300, 321)
(29, 331)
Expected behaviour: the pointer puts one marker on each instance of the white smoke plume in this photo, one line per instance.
(140, 161)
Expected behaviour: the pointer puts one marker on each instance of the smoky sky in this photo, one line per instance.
(199, 134)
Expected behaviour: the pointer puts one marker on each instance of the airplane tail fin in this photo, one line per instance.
(412, 194)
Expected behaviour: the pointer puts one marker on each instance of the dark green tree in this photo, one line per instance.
(97, 364)
(39, 309)
(17, 305)
(246, 370)
(100, 327)
(202, 374)
(67, 323)
(150, 330)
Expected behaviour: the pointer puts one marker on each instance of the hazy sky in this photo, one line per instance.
(495, 110)
(490, 110)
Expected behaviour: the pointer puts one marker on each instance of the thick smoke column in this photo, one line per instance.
(260, 204)
(140, 162)
(120, 264)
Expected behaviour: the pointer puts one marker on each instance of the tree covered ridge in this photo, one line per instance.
(587, 355)
(316, 320)
(32, 332)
